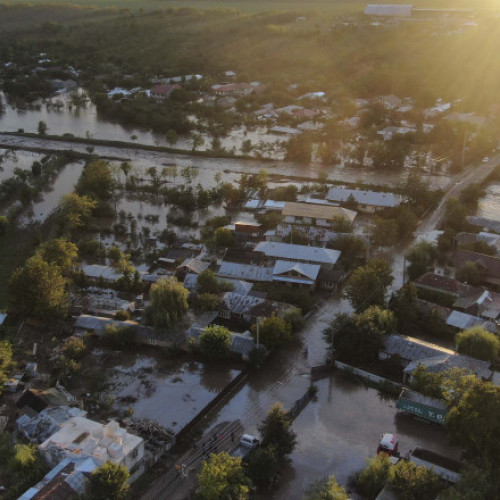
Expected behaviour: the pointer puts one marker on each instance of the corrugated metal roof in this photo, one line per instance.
(97, 271)
(288, 251)
(462, 321)
(245, 272)
(195, 265)
(371, 198)
(310, 271)
(317, 211)
(98, 323)
(446, 362)
(389, 10)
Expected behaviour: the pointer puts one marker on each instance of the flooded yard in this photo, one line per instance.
(489, 206)
(168, 393)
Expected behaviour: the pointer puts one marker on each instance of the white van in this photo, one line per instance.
(249, 441)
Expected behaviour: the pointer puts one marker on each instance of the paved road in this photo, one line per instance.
(473, 174)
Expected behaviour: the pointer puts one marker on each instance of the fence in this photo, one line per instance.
(369, 377)
(230, 389)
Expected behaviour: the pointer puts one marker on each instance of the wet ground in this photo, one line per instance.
(170, 395)
(489, 206)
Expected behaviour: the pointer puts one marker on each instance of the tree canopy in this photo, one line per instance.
(109, 482)
(274, 332)
(215, 341)
(6, 362)
(168, 303)
(368, 284)
(222, 478)
(326, 489)
(276, 431)
(478, 343)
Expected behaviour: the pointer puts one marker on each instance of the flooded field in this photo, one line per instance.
(169, 394)
(10, 160)
(489, 206)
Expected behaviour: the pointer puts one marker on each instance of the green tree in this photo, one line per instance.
(473, 421)
(168, 303)
(75, 210)
(295, 318)
(274, 332)
(358, 338)
(215, 341)
(384, 232)
(207, 282)
(478, 343)
(276, 432)
(38, 289)
(353, 250)
(171, 137)
(109, 482)
(42, 128)
(96, 181)
(222, 478)
(420, 258)
(469, 273)
(455, 215)
(326, 489)
(4, 224)
(263, 466)
(411, 482)
(404, 304)
(6, 362)
(59, 252)
(374, 476)
(480, 481)
(223, 238)
(368, 284)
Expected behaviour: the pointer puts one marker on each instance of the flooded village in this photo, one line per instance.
(301, 284)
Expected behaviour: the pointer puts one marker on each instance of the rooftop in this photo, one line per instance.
(317, 211)
(245, 272)
(288, 251)
(371, 198)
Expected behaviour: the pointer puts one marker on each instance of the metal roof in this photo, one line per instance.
(446, 362)
(309, 271)
(195, 265)
(242, 287)
(411, 349)
(98, 323)
(313, 211)
(372, 198)
(97, 271)
(462, 321)
(288, 251)
(245, 272)
(389, 10)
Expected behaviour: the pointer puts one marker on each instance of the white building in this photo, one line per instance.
(80, 437)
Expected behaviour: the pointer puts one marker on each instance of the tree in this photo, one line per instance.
(96, 181)
(455, 215)
(358, 338)
(6, 362)
(38, 290)
(374, 476)
(276, 432)
(473, 421)
(274, 332)
(411, 482)
(4, 224)
(404, 304)
(384, 232)
(469, 273)
(421, 258)
(168, 303)
(326, 489)
(215, 341)
(171, 137)
(222, 478)
(42, 128)
(223, 238)
(353, 250)
(207, 282)
(59, 252)
(109, 482)
(75, 210)
(368, 285)
(480, 481)
(263, 466)
(295, 318)
(478, 343)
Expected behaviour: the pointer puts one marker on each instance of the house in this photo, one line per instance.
(80, 437)
(389, 10)
(161, 92)
(241, 344)
(463, 239)
(33, 401)
(98, 272)
(414, 352)
(437, 110)
(234, 89)
(296, 273)
(298, 253)
(244, 256)
(274, 206)
(194, 265)
(488, 265)
(39, 427)
(317, 215)
(390, 102)
(250, 308)
(484, 223)
(97, 324)
(66, 481)
(366, 201)
(462, 321)
(246, 272)
(246, 230)
(239, 286)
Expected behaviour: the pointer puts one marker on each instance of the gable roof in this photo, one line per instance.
(310, 271)
(371, 198)
(446, 285)
(194, 265)
(245, 272)
(288, 251)
(439, 364)
(462, 321)
(411, 349)
(317, 211)
(490, 265)
(164, 89)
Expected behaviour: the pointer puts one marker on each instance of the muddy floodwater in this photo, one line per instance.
(171, 395)
(489, 206)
